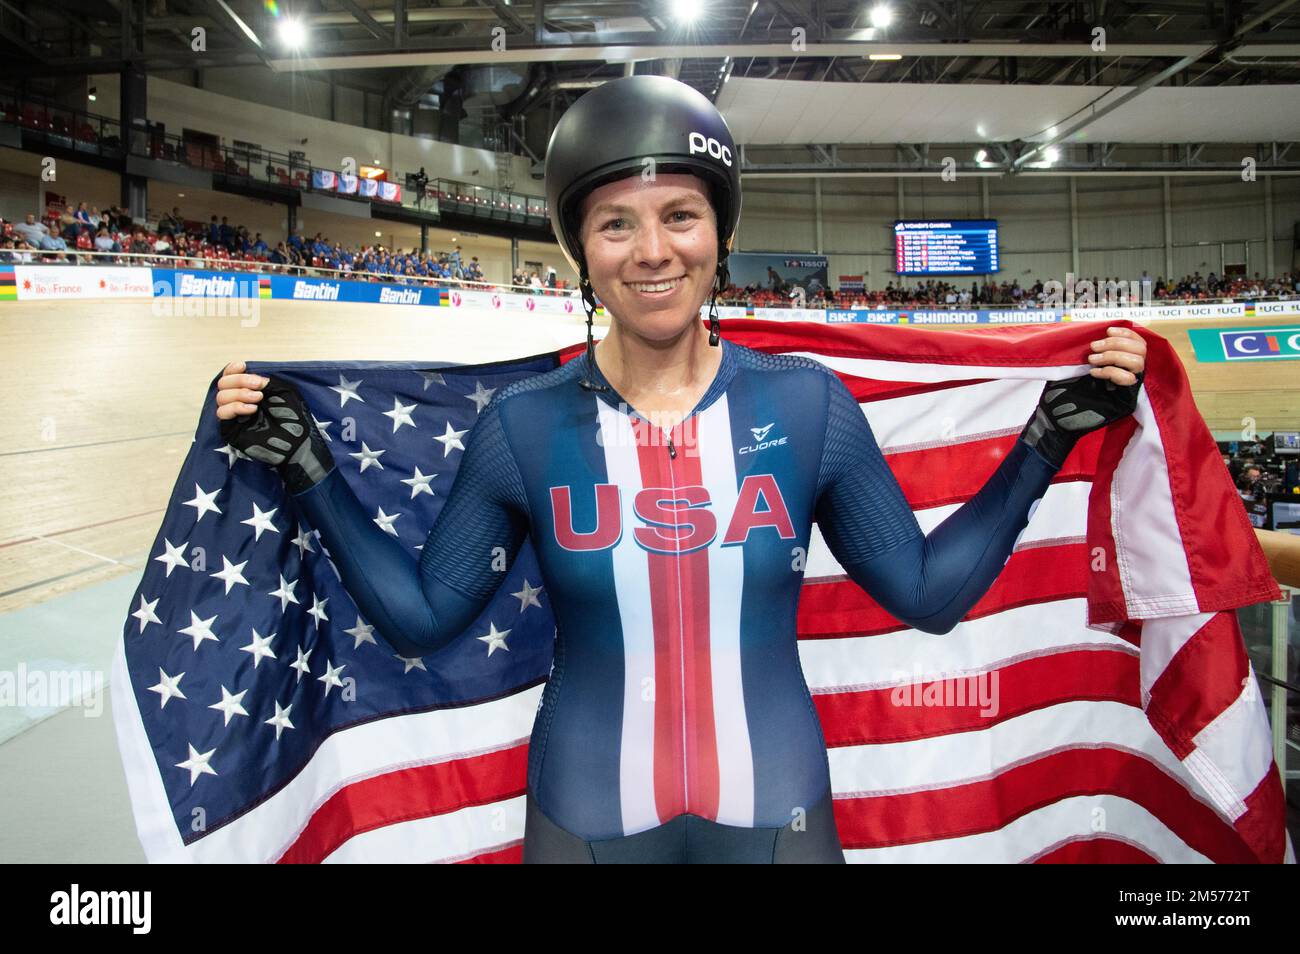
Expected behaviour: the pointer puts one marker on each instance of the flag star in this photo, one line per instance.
(412, 662)
(261, 520)
(419, 484)
(495, 639)
(432, 377)
(331, 677)
(528, 596)
(198, 764)
(347, 389)
(231, 573)
(300, 664)
(280, 720)
(200, 629)
(385, 521)
(285, 593)
(232, 454)
(481, 396)
(168, 687)
(401, 414)
(145, 613)
(318, 609)
(321, 426)
(230, 705)
(203, 502)
(259, 647)
(174, 556)
(363, 632)
(303, 541)
(368, 457)
(451, 439)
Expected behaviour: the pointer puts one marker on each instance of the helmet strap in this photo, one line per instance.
(589, 305)
(720, 282)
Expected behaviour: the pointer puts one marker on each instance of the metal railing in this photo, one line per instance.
(89, 132)
(1272, 638)
(63, 126)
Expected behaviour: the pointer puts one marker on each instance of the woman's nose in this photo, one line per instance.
(651, 246)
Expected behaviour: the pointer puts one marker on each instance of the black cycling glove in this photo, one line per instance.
(1072, 407)
(282, 433)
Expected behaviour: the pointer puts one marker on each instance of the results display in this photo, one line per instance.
(953, 247)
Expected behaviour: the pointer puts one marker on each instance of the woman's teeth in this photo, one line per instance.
(655, 286)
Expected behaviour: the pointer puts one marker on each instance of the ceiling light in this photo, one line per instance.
(292, 33)
(881, 16)
(686, 11)
(981, 156)
(884, 56)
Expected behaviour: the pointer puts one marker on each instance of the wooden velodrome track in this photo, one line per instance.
(106, 396)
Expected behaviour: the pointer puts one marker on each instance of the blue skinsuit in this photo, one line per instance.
(673, 564)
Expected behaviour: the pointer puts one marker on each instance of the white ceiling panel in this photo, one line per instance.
(771, 112)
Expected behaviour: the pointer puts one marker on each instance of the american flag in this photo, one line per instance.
(1096, 705)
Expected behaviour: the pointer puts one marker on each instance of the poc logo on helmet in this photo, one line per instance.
(699, 143)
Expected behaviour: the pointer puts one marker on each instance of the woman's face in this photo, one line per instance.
(652, 251)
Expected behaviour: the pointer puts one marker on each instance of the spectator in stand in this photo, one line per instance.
(85, 222)
(226, 235)
(104, 242)
(535, 281)
(37, 235)
(280, 256)
(69, 228)
(140, 244)
(162, 245)
(259, 247)
(214, 232)
(171, 224)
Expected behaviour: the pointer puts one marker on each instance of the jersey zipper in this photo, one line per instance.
(681, 649)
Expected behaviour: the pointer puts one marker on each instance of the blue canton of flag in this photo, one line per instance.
(244, 657)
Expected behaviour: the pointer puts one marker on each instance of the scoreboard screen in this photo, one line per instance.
(952, 247)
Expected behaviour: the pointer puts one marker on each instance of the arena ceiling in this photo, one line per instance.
(1044, 72)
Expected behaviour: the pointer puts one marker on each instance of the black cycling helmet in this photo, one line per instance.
(610, 132)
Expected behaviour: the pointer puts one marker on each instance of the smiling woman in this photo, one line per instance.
(643, 183)
(651, 251)
(676, 724)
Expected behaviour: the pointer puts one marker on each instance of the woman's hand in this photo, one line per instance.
(238, 393)
(1072, 407)
(279, 430)
(1120, 357)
